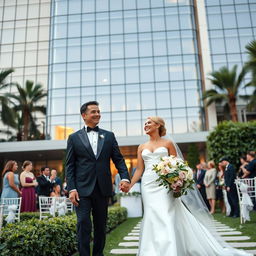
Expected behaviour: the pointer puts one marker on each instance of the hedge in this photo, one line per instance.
(53, 236)
(232, 140)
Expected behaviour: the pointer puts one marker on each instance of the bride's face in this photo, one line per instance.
(150, 126)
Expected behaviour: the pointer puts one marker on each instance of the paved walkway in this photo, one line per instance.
(130, 243)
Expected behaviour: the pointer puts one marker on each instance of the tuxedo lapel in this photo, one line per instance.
(101, 140)
(84, 138)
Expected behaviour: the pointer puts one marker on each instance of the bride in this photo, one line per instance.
(169, 228)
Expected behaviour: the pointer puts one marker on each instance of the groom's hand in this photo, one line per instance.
(74, 197)
(124, 186)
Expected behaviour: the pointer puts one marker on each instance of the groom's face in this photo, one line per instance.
(92, 115)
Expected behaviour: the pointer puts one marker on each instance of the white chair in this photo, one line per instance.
(246, 190)
(46, 206)
(11, 208)
(52, 206)
(1, 215)
(70, 206)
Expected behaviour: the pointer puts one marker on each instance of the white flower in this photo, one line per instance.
(190, 175)
(101, 136)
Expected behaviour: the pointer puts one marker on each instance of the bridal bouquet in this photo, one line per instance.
(174, 174)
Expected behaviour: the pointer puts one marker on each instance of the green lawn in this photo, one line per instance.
(116, 236)
(247, 229)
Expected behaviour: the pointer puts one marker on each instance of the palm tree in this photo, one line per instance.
(7, 115)
(25, 102)
(227, 84)
(251, 65)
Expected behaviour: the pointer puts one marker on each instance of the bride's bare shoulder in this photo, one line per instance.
(167, 142)
(141, 146)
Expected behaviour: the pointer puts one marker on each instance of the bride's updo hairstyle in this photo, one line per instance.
(160, 121)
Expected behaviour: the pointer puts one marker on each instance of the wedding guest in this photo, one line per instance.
(55, 178)
(45, 183)
(209, 182)
(199, 180)
(244, 164)
(56, 191)
(220, 188)
(250, 169)
(229, 177)
(28, 183)
(10, 180)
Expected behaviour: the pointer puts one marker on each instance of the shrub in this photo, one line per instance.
(116, 215)
(29, 215)
(53, 236)
(232, 140)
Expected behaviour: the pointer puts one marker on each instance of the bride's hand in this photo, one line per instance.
(124, 186)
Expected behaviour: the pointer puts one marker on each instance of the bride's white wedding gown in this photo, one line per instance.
(168, 228)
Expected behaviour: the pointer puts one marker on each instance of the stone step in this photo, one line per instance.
(131, 238)
(133, 234)
(129, 244)
(230, 233)
(241, 245)
(225, 229)
(124, 251)
(135, 230)
(236, 238)
(221, 226)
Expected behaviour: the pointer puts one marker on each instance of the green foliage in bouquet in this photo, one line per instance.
(51, 236)
(232, 140)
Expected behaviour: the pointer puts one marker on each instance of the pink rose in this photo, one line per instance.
(182, 175)
(179, 183)
(174, 187)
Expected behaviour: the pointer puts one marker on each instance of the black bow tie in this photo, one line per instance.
(96, 129)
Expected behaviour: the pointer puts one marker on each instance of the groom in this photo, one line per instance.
(89, 182)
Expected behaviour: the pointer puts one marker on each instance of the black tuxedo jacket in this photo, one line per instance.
(84, 169)
(44, 186)
(230, 176)
(200, 180)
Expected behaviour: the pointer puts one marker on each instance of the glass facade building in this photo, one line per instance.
(231, 26)
(138, 58)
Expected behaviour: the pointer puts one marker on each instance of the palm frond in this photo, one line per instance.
(8, 115)
(3, 75)
(41, 109)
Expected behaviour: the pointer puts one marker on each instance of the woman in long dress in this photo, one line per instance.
(28, 183)
(209, 182)
(168, 227)
(10, 181)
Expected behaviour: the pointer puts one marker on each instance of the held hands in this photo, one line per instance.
(74, 197)
(124, 186)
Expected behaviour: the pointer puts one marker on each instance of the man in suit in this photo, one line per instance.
(229, 177)
(88, 174)
(45, 182)
(199, 179)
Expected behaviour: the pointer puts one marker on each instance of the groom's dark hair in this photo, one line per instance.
(85, 106)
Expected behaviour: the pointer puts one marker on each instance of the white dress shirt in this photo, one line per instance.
(93, 138)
